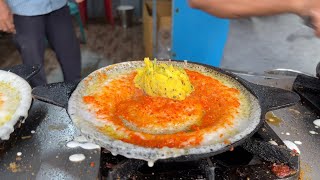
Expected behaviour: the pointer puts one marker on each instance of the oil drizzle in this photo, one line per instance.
(316, 122)
(150, 163)
(297, 142)
(313, 132)
(77, 157)
(291, 146)
(273, 119)
(273, 142)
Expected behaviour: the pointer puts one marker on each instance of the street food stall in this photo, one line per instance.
(163, 118)
(50, 144)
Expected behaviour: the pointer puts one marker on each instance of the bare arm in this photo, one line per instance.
(246, 8)
(79, 1)
(6, 18)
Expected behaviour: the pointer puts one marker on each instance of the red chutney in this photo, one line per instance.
(212, 102)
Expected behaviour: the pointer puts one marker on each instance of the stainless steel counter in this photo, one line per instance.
(44, 151)
(296, 123)
(46, 156)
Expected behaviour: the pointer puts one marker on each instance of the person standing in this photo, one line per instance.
(234, 9)
(32, 22)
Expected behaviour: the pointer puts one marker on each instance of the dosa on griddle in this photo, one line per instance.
(110, 110)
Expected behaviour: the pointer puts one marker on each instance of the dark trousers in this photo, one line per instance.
(56, 27)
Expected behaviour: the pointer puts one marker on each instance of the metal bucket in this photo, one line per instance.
(125, 13)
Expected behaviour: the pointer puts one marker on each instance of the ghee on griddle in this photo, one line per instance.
(7, 105)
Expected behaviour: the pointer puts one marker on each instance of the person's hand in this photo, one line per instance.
(311, 8)
(79, 1)
(196, 4)
(191, 3)
(6, 18)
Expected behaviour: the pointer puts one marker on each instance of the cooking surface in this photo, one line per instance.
(296, 122)
(42, 144)
(45, 154)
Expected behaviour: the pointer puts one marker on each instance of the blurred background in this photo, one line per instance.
(124, 30)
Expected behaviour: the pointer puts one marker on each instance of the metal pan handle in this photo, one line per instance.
(272, 98)
(56, 93)
(24, 71)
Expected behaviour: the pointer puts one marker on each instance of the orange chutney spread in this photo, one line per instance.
(212, 104)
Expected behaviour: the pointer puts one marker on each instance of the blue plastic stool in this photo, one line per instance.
(74, 11)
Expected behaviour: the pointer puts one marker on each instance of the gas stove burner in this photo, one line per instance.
(255, 159)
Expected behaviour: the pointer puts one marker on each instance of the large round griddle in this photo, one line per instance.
(262, 99)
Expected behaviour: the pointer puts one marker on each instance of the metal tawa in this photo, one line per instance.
(318, 70)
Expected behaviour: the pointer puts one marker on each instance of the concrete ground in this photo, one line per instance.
(105, 45)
